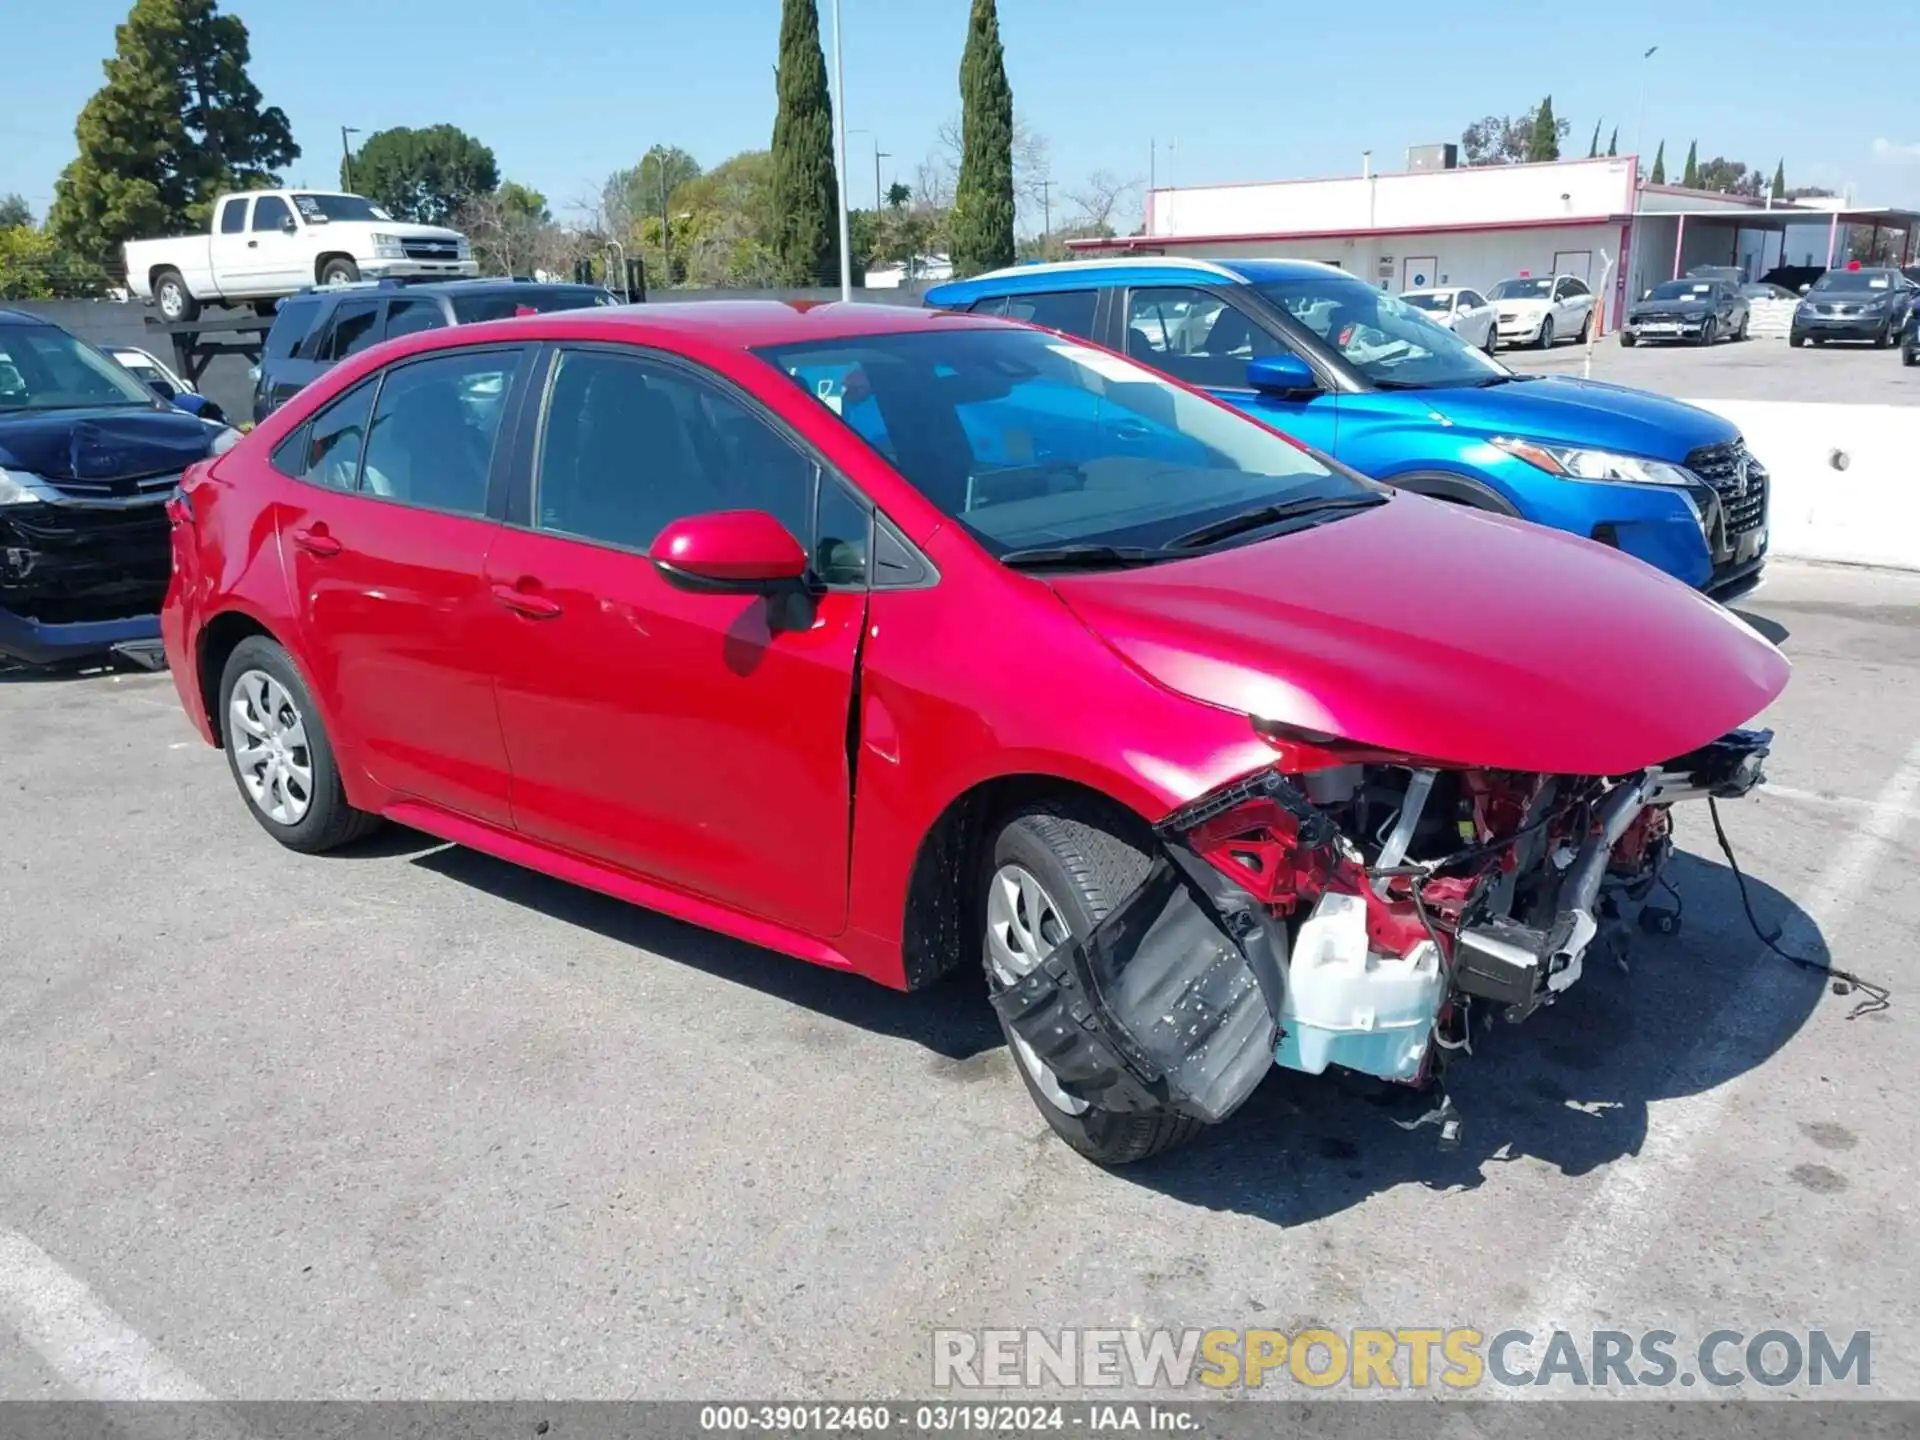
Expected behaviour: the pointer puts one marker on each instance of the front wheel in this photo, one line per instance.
(1794, 342)
(1707, 331)
(1586, 328)
(1910, 356)
(1493, 337)
(1741, 333)
(1883, 339)
(1053, 873)
(339, 271)
(1627, 340)
(279, 753)
(1545, 342)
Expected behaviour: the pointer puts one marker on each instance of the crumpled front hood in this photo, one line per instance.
(1447, 634)
(102, 444)
(1562, 409)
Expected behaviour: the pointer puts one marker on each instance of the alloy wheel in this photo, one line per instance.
(1024, 926)
(270, 748)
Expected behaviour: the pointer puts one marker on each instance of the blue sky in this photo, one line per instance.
(566, 91)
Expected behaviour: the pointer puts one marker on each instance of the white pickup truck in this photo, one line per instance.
(268, 243)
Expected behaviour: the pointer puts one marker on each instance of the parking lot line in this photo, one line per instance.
(1629, 1210)
(88, 1346)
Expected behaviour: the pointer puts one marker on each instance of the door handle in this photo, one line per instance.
(525, 602)
(1131, 429)
(317, 541)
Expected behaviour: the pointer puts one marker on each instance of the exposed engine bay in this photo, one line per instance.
(1353, 914)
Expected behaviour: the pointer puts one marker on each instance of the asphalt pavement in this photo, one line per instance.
(1755, 369)
(408, 1122)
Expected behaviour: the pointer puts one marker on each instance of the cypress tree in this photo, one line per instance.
(1659, 176)
(1780, 181)
(1593, 149)
(1690, 177)
(1544, 143)
(1613, 142)
(806, 189)
(982, 222)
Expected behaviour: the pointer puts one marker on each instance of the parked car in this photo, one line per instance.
(1910, 346)
(1327, 358)
(1540, 309)
(1864, 304)
(165, 382)
(657, 619)
(1701, 311)
(316, 330)
(88, 456)
(1467, 313)
(266, 244)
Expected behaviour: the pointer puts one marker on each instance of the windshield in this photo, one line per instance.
(526, 300)
(338, 207)
(1684, 290)
(1538, 288)
(1852, 281)
(1387, 341)
(1030, 440)
(42, 368)
(1428, 302)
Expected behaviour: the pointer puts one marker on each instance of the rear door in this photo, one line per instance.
(387, 541)
(227, 250)
(1203, 338)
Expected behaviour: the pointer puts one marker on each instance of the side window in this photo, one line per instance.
(409, 317)
(842, 535)
(290, 455)
(1068, 310)
(1471, 300)
(233, 215)
(992, 305)
(292, 323)
(1194, 336)
(628, 446)
(433, 432)
(270, 212)
(1574, 289)
(334, 440)
(355, 328)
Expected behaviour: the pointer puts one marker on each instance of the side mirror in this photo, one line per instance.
(161, 388)
(1805, 288)
(737, 551)
(290, 225)
(1646, 294)
(1281, 375)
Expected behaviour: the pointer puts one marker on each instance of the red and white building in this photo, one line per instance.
(1408, 230)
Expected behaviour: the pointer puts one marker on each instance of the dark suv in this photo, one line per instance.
(318, 328)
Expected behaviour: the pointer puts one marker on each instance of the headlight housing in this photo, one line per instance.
(463, 248)
(1576, 463)
(387, 247)
(224, 441)
(19, 488)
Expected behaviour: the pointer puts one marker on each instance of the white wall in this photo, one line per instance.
(1867, 513)
(1486, 195)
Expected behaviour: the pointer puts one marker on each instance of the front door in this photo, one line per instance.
(1199, 337)
(697, 739)
(1419, 272)
(387, 542)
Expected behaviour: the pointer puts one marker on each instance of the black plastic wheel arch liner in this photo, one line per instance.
(1173, 1001)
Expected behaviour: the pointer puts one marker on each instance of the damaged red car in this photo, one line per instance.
(903, 641)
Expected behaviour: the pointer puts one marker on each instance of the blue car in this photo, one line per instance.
(1357, 374)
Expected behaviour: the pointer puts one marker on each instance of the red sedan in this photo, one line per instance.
(899, 641)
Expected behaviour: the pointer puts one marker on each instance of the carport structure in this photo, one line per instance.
(1669, 242)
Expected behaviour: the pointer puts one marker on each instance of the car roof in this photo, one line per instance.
(1102, 274)
(21, 317)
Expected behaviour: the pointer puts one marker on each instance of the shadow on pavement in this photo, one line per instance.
(1766, 625)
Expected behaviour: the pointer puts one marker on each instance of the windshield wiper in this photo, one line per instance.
(1264, 515)
(1083, 556)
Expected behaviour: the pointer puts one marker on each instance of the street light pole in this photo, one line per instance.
(346, 157)
(840, 156)
(878, 156)
(1046, 214)
(1640, 117)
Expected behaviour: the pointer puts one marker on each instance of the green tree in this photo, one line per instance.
(14, 212)
(522, 203)
(1508, 139)
(1544, 143)
(1659, 175)
(1593, 149)
(1690, 177)
(981, 226)
(806, 187)
(177, 123)
(1779, 190)
(1613, 142)
(422, 175)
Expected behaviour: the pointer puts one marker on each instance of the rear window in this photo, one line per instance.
(522, 300)
(290, 326)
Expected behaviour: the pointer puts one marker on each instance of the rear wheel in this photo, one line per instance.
(1054, 872)
(279, 753)
(1545, 342)
(176, 302)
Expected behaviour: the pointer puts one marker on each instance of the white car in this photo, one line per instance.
(152, 372)
(1467, 313)
(1540, 309)
(266, 244)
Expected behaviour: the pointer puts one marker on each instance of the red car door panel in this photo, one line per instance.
(696, 738)
(386, 551)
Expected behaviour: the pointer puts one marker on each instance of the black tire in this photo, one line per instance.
(1586, 328)
(1708, 332)
(329, 820)
(1745, 321)
(1794, 342)
(1818, 341)
(339, 271)
(1493, 337)
(1627, 340)
(1545, 342)
(1910, 357)
(1884, 338)
(176, 303)
(1080, 855)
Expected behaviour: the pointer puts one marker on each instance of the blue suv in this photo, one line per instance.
(1356, 373)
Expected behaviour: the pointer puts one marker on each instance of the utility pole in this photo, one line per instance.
(346, 157)
(666, 240)
(1046, 213)
(878, 156)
